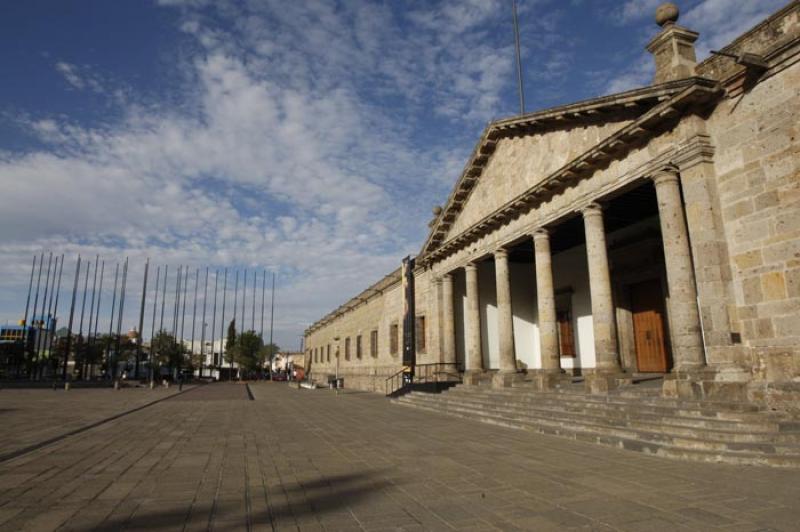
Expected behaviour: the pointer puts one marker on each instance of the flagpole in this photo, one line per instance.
(519, 59)
(140, 340)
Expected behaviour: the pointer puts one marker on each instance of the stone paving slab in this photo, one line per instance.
(310, 460)
(31, 416)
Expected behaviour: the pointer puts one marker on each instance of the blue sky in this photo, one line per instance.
(309, 138)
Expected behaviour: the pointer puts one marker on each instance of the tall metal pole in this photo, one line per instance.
(194, 303)
(71, 315)
(29, 329)
(263, 293)
(153, 325)
(177, 305)
(30, 287)
(44, 304)
(214, 318)
(163, 298)
(203, 333)
(183, 305)
(80, 337)
(235, 305)
(519, 59)
(119, 315)
(99, 298)
(111, 321)
(140, 340)
(253, 313)
(222, 323)
(55, 312)
(89, 339)
(271, 319)
(244, 301)
(47, 340)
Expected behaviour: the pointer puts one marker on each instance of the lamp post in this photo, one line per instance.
(336, 339)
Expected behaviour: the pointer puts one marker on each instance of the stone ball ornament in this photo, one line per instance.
(437, 210)
(667, 13)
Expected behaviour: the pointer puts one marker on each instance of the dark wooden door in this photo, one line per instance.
(647, 306)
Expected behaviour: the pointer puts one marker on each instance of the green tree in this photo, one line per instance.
(249, 351)
(167, 351)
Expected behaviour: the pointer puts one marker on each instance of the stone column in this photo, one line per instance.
(603, 315)
(474, 360)
(546, 302)
(505, 327)
(684, 319)
(448, 323)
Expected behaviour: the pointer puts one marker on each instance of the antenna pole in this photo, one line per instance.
(519, 59)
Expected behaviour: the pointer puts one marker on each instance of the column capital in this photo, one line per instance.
(501, 253)
(541, 233)
(667, 173)
(470, 266)
(592, 209)
(446, 278)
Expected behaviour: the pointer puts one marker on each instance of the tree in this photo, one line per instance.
(249, 351)
(167, 351)
(230, 345)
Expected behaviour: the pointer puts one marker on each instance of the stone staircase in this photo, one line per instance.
(635, 418)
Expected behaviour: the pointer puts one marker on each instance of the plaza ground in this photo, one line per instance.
(212, 458)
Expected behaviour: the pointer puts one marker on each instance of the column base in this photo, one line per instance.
(472, 377)
(505, 379)
(543, 380)
(599, 382)
(723, 384)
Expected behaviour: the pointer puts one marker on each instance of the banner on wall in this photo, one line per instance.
(409, 340)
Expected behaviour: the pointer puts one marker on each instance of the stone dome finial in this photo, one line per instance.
(667, 13)
(437, 210)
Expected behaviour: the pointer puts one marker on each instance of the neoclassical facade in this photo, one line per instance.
(651, 231)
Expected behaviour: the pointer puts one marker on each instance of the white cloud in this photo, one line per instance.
(275, 159)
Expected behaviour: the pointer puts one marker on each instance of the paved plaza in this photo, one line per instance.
(213, 459)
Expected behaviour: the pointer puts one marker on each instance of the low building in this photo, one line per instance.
(651, 231)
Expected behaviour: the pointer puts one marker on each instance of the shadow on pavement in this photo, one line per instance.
(312, 498)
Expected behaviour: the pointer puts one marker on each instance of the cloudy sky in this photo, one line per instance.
(306, 138)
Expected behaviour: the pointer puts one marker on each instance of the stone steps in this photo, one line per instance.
(688, 416)
(711, 432)
(734, 430)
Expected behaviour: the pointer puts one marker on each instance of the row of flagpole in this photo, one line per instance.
(47, 314)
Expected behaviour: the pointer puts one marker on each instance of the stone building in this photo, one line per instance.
(651, 231)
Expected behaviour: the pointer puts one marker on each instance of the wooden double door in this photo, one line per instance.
(649, 327)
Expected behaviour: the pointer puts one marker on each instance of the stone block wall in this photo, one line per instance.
(757, 163)
(377, 312)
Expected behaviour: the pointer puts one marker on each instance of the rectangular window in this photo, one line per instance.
(328, 354)
(420, 333)
(373, 343)
(347, 348)
(394, 339)
(358, 347)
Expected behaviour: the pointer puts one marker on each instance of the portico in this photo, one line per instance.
(507, 314)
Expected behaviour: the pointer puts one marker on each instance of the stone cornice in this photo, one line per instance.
(695, 91)
(640, 102)
(365, 296)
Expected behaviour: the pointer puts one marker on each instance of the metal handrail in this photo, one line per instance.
(423, 373)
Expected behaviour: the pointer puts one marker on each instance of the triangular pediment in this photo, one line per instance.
(519, 154)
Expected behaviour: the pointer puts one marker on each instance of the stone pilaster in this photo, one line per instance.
(448, 321)
(603, 314)
(474, 359)
(546, 302)
(505, 326)
(687, 342)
